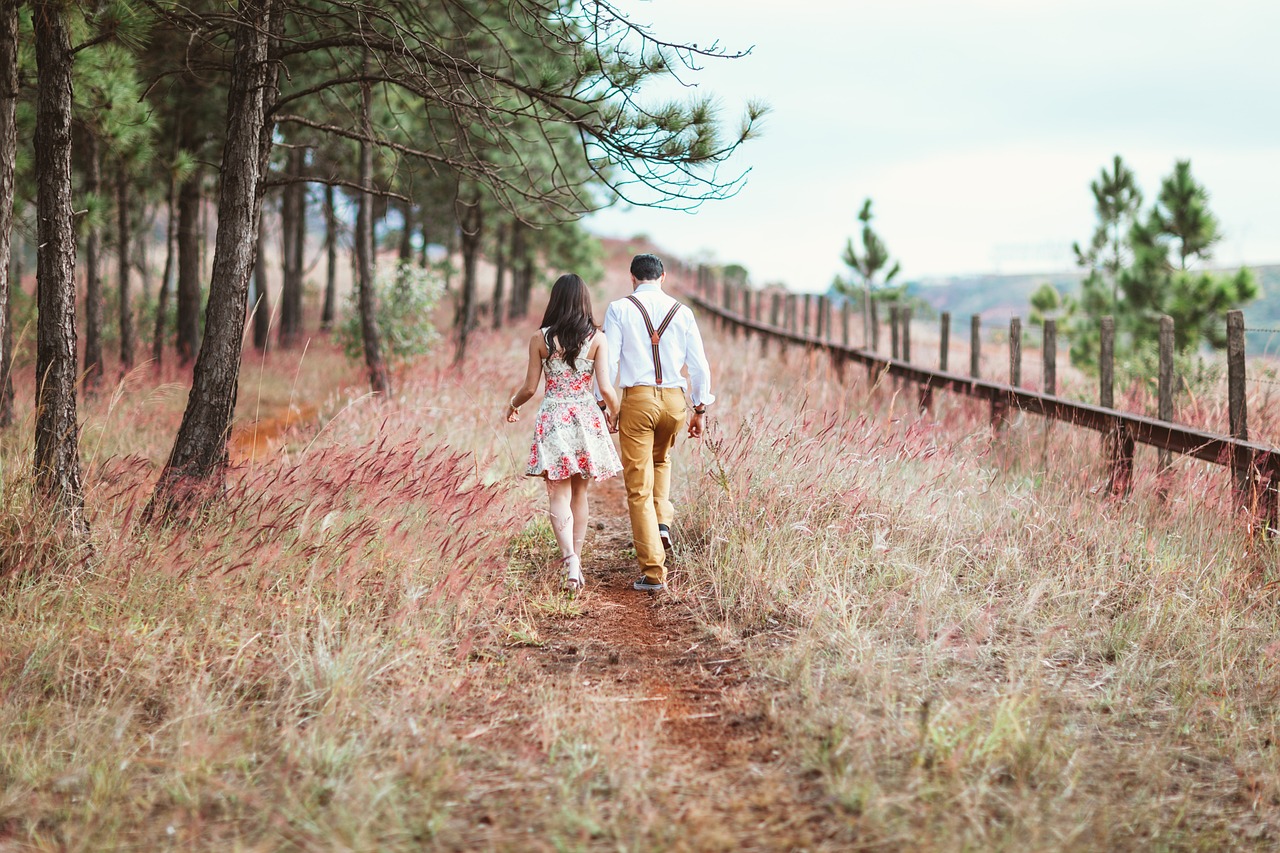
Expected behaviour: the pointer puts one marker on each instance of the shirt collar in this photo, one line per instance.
(647, 287)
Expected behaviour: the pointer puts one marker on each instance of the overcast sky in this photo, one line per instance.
(974, 125)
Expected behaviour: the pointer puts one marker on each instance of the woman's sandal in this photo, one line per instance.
(573, 580)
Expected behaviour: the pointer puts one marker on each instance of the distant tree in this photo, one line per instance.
(867, 265)
(1155, 270)
(1177, 237)
(736, 275)
(1047, 303)
(1116, 199)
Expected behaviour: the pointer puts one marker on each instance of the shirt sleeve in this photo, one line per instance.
(613, 337)
(695, 359)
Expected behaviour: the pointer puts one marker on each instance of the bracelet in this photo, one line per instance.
(512, 403)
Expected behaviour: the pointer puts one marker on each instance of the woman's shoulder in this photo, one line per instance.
(538, 341)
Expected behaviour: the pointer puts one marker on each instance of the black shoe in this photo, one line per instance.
(665, 533)
(646, 585)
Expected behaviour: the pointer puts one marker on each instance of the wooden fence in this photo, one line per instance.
(809, 321)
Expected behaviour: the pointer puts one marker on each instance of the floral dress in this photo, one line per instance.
(570, 436)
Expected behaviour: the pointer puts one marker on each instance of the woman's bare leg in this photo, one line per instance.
(560, 509)
(581, 511)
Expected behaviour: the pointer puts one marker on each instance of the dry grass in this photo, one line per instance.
(956, 639)
(980, 652)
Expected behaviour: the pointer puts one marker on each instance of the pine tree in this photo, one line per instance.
(867, 265)
(1155, 269)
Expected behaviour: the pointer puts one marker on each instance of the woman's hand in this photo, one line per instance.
(513, 415)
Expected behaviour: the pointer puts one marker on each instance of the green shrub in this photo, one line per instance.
(407, 296)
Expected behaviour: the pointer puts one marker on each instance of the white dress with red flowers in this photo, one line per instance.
(570, 436)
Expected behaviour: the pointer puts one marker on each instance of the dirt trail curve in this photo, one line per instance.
(641, 646)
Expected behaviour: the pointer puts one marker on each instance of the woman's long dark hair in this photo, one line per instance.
(568, 319)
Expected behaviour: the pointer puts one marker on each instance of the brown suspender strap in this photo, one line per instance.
(656, 334)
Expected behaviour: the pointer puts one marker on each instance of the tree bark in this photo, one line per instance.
(470, 221)
(8, 165)
(331, 258)
(261, 294)
(406, 233)
(423, 258)
(93, 361)
(197, 465)
(57, 454)
(122, 250)
(379, 382)
(189, 270)
(162, 299)
(500, 261)
(518, 271)
(292, 238)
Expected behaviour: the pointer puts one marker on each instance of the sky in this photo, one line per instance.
(975, 126)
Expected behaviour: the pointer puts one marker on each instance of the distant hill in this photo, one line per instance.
(1000, 296)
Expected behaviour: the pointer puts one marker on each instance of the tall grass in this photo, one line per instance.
(970, 644)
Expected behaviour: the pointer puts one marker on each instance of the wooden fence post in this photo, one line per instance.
(822, 331)
(1236, 408)
(844, 323)
(775, 308)
(829, 317)
(1050, 353)
(875, 326)
(975, 344)
(894, 332)
(1117, 443)
(1107, 363)
(944, 334)
(1015, 351)
(905, 317)
(808, 302)
(1164, 405)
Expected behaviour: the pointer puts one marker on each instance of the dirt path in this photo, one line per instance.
(645, 647)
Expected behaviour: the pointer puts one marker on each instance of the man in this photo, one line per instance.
(653, 340)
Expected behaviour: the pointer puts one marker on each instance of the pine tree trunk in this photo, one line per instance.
(122, 250)
(188, 270)
(57, 455)
(331, 258)
(500, 250)
(8, 161)
(470, 221)
(423, 259)
(261, 294)
(93, 361)
(518, 286)
(162, 298)
(406, 233)
(379, 382)
(292, 237)
(197, 464)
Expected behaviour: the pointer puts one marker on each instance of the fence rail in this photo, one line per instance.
(1255, 466)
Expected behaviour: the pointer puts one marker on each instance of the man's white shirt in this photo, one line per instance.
(631, 352)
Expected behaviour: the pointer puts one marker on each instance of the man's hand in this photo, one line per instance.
(695, 425)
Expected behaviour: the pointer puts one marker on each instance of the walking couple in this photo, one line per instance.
(638, 361)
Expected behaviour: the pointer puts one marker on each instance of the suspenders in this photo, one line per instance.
(656, 334)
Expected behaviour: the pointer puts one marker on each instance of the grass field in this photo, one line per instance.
(886, 631)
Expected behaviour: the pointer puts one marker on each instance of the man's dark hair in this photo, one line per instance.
(646, 267)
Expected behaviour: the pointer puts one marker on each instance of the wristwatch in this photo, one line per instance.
(700, 409)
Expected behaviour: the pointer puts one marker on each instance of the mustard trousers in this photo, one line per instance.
(648, 422)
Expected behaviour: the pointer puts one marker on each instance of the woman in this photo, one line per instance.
(571, 443)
